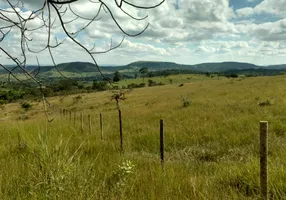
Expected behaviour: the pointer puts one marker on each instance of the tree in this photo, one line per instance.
(151, 74)
(16, 18)
(99, 86)
(116, 77)
(233, 75)
(143, 71)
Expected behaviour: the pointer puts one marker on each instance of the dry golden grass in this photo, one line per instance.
(212, 146)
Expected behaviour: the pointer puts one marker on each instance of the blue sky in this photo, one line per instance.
(236, 4)
(181, 31)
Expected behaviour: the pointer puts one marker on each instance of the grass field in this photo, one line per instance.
(211, 146)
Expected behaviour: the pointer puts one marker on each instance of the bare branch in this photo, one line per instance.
(54, 15)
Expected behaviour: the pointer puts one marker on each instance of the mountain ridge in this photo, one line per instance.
(87, 68)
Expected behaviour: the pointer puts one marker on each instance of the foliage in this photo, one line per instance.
(143, 71)
(117, 76)
(2, 101)
(134, 85)
(66, 84)
(118, 96)
(26, 106)
(119, 177)
(186, 102)
(99, 86)
(265, 103)
(150, 74)
(8, 96)
(208, 74)
(232, 75)
(153, 83)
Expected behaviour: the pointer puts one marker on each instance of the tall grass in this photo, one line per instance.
(212, 145)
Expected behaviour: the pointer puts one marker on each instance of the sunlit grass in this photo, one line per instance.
(212, 146)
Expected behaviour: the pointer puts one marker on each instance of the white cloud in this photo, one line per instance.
(271, 31)
(275, 7)
(207, 10)
(245, 12)
(199, 31)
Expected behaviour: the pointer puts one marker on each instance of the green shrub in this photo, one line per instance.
(265, 103)
(186, 102)
(99, 86)
(26, 106)
(134, 85)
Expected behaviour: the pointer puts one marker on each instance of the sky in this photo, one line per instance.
(181, 31)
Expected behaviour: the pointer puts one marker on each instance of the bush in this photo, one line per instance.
(26, 106)
(48, 92)
(134, 85)
(2, 102)
(232, 76)
(186, 102)
(99, 86)
(142, 85)
(265, 103)
(153, 83)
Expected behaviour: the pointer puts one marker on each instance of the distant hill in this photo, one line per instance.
(157, 65)
(276, 66)
(224, 66)
(77, 67)
(86, 69)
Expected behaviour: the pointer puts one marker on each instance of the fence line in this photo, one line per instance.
(263, 159)
(162, 142)
(89, 123)
(101, 125)
(263, 144)
(81, 122)
(120, 130)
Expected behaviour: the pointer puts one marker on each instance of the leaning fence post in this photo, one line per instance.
(81, 121)
(101, 126)
(263, 159)
(89, 123)
(120, 130)
(162, 141)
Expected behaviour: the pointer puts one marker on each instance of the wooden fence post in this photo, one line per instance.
(120, 130)
(101, 126)
(89, 123)
(162, 141)
(81, 121)
(263, 159)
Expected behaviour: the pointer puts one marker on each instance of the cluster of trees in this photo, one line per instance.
(10, 92)
(143, 71)
(10, 96)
